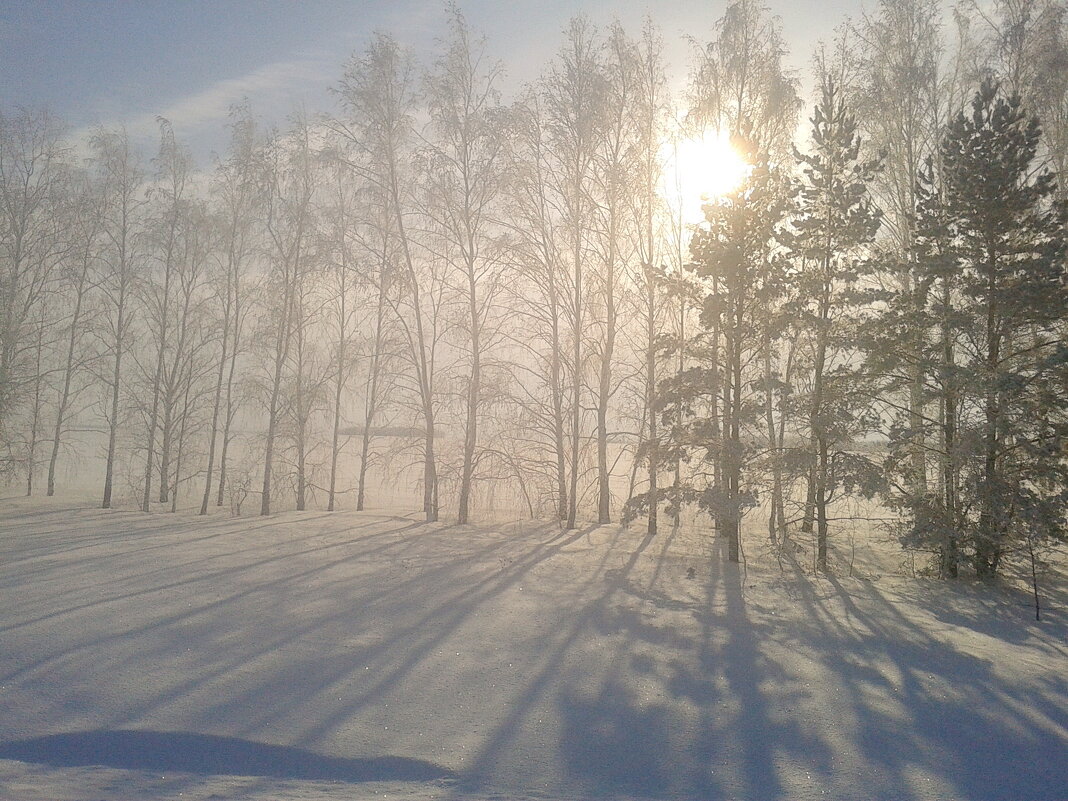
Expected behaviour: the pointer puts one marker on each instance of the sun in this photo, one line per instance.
(699, 169)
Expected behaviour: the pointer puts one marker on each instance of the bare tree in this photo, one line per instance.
(466, 165)
(740, 84)
(287, 191)
(86, 219)
(377, 92)
(650, 300)
(378, 243)
(574, 98)
(123, 201)
(184, 380)
(169, 197)
(538, 295)
(234, 188)
(345, 305)
(307, 370)
(614, 242)
(31, 246)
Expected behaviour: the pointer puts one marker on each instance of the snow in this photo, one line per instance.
(368, 655)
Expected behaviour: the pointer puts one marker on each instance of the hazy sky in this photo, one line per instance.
(126, 61)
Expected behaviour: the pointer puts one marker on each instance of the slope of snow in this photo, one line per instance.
(314, 655)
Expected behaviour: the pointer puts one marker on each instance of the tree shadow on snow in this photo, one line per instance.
(204, 754)
(976, 737)
(681, 716)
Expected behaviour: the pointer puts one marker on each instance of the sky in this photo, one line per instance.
(125, 62)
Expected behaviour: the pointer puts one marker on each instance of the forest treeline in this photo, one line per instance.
(508, 297)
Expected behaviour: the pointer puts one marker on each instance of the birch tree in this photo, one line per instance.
(287, 188)
(538, 298)
(122, 193)
(377, 93)
(650, 300)
(235, 190)
(86, 219)
(574, 96)
(466, 163)
(169, 197)
(31, 247)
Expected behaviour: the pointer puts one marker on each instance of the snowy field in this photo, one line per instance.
(351, 656)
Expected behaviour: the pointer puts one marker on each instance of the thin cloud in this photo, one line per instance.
(206, 111)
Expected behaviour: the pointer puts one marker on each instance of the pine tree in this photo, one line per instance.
(836, 223)
(737, 265)
(1007, 237)
(935, 514)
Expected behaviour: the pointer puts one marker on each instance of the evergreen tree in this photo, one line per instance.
(995, 243)
(1008, 240)
(738, 268)
(835, 225)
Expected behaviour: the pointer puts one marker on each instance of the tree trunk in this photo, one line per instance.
(950, 555)
(302, 401)
(165, 445)
(556, 390)
(650, 392)
(986, 548)
(150, 447)
(181, 440)
(228, 417)
(281, 349)
(604, 389)
(474, 390)
(109, 469)
(916, 411)
(31, 461)
(731, 450)
(214, 433)
(116, 378)
(217, 402)
(822, 473)
(68, 372)
(676, 517)
(818, 426)
(335, 434)
(576, 390)
(372, 396)
(774, 446)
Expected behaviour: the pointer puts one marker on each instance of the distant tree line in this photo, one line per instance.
(508, 297)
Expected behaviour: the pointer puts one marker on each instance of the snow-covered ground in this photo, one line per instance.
(349, 656)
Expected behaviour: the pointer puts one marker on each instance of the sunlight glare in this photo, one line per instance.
(700, 169)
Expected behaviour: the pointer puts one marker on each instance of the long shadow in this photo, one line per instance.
(610, 744)
(350, 609)
(739, 733)
(615, 743)
(68, 544)
(209, 755)
(422, 634)
(175, 618)
(437, 624)
(204, 577)
(613, 746)
(686, 715)
(951, 736)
